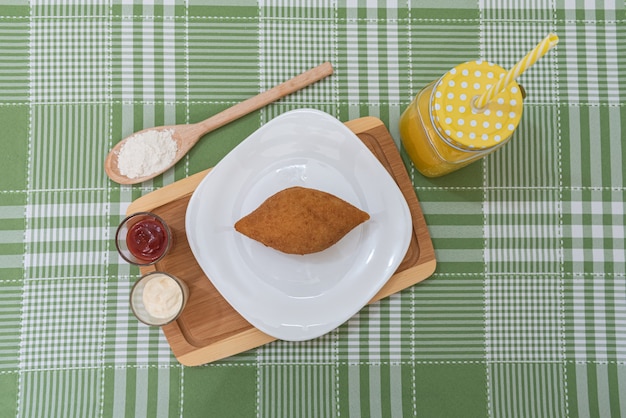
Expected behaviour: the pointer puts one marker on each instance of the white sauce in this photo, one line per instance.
(162, 296)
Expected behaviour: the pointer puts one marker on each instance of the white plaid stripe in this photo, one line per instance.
(318, 351)
(455, 223)
(61, 323)
(15, 60)
(595, 315)
(143, 392)
(529, 390)
(11, 238)
(516, 10)
(372, 69)
(127, 60)
(596, 232)
(79, 248)
(121, 326)
(523, 231)
(63, 158)
(57, 393)
(533, 156)
(592, 54)
(379, 332)
(457, 42)
(69, 61)
(148, 59)
(523, 318)
(10, 323)
(448, 318)
(595, 164)
(127, 341)
(507, 43)
(305, 391)
(46, 8)
(223, 63)
(283, 41)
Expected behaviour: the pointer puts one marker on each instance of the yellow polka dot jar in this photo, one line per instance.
(442, 130)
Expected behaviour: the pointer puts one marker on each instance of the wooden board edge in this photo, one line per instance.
(244, 341)
(254, 338)
(167, 193)
(364, 124)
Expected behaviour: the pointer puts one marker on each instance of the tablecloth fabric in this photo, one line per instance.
(526, 313)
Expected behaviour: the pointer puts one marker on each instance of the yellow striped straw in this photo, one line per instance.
(538, 51)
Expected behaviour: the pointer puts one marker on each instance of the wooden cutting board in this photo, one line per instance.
(209, 328)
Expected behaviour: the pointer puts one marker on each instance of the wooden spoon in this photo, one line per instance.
(186, 136)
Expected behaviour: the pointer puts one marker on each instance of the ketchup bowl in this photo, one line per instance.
(143, 238)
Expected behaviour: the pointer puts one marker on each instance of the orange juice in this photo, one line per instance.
(442, 130)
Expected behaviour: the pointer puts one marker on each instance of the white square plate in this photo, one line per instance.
(298, 297)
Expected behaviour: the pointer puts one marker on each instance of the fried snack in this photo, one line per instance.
(300, 220)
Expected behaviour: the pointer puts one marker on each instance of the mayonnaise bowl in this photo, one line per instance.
(158, 298)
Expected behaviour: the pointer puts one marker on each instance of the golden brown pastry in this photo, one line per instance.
(300, 220)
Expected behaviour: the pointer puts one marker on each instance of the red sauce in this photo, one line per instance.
(147, 240)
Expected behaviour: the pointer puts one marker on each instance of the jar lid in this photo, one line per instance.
(455, 116)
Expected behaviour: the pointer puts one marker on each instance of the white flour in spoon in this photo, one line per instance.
(147, 153)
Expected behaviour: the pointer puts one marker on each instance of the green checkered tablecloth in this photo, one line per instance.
(526, 313)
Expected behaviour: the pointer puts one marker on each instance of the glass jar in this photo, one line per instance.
(442, 130)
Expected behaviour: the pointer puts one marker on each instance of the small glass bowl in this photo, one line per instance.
(158, 298)
(122, 242)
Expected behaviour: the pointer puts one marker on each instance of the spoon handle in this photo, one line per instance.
(263, 99)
